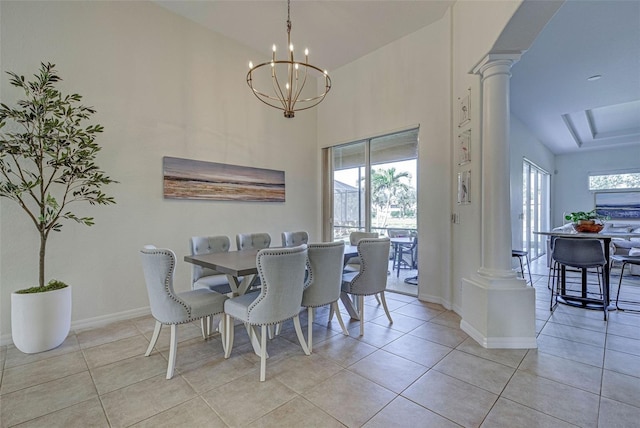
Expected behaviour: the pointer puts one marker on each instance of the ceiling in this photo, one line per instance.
(550, 92)
(550, 87)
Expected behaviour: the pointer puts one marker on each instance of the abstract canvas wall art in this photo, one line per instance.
(618, 205)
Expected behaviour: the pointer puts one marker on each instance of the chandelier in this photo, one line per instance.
(288, 78)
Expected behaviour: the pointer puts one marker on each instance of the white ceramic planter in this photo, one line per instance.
(40, 321)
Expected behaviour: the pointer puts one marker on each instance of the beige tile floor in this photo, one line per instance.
(421, 371)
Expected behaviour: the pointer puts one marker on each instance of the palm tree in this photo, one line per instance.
(386, 187)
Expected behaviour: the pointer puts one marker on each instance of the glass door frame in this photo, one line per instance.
(536, 202)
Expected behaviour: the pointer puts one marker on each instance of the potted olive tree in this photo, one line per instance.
(47, 165)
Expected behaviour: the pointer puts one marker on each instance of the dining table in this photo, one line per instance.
(241, 269)
(606, 239)
(240, 266)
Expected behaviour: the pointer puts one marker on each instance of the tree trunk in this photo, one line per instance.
(43, 244)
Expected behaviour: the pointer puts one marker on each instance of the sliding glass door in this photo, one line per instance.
(373, 185)
(536, 208)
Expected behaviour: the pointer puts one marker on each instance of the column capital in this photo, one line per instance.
(505, 59)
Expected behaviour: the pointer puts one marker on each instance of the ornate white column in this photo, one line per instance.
(498, 309)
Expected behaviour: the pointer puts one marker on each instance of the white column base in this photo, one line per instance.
(499, 312)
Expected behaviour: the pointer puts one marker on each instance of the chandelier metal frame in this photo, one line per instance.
(287, 98)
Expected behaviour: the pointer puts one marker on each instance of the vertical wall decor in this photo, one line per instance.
(464, 187)
(464, 109)
(192, 179)
(464, 147)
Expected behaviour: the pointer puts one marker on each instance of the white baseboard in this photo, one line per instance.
(100, 321)
(435, 299)
(498, 342)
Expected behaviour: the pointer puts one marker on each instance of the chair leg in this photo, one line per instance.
(229, 333)
(263, 352)
(377, 298)
(334, 307)
(599, 273)
(554, 285)
(310, 329)
(303, 343)
(605, 297)
(384, 305)
(521, 267)
(206, 325)
(529, 271)
(222, 328)
(551, 269)
(173, 347)
(361, 313)
(620, 285)
(154, 338)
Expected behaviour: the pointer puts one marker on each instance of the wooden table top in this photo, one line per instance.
(241, 263)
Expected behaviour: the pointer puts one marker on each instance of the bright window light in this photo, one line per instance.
(630, 180)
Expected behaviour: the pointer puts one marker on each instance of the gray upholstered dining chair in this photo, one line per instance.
(169, 307)
(282, 272)
(325, 280)
(293, 239)
(372, 277)
(253, 241)
(209, 279)
(355, 237)
(353, 264)
(202, 277)
(579, 253)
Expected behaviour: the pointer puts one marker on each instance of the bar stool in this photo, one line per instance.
(582, 254)
(520, 254)
(625, 260)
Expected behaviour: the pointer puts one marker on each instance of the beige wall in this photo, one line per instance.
(417, 81)
(166, 87)
(477, 25)
(162, 86)
(399, 86)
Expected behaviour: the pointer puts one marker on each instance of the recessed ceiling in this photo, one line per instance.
(551, 89)
(609, 125)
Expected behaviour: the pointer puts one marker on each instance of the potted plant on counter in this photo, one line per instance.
(47, 165)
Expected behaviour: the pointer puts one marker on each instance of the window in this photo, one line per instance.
(627, 180)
